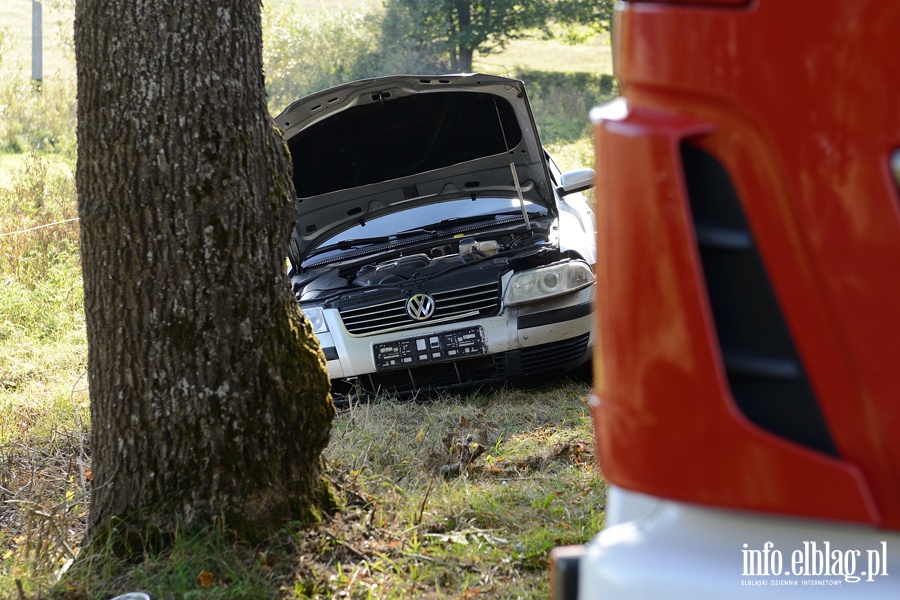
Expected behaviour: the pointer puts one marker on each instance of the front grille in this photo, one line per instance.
(552, 358)
(390, 313)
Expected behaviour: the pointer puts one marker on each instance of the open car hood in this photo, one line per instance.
(373, 147)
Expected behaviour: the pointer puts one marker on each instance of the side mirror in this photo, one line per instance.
(576, 181)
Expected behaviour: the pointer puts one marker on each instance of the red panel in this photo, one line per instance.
(799, 101)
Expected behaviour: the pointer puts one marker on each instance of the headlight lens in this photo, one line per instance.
(316, 316)
(546, 282)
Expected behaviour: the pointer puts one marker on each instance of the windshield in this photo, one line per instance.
(421, 220)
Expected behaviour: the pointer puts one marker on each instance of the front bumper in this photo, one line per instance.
(534, 340)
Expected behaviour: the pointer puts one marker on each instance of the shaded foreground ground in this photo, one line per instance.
(458, 497)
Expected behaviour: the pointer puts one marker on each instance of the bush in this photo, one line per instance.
(40, 274)
(304, 54)
(400, 50)
(36, 119)
(562, 101)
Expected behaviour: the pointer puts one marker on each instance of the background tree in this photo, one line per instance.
(304, 53)
(209, 398)
(453, 30)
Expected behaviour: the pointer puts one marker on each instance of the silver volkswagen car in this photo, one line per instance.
(437, 245)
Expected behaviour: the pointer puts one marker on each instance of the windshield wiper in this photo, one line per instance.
(370, 241)
(355, 243)
(486, 218)
(412, 232)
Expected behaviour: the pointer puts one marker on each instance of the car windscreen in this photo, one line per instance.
(439, 217)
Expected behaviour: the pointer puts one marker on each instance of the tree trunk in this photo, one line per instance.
(465, 50)
(464, 60)
(209, 395)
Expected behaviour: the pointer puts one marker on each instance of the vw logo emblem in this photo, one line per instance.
(420, 307)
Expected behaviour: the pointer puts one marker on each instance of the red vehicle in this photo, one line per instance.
(747, 380)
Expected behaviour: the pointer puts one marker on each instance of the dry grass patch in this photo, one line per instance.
(415, 526)
(44, 488)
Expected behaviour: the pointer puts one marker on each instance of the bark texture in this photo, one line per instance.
(209, 395)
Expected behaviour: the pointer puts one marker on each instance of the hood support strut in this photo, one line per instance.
(512, 167)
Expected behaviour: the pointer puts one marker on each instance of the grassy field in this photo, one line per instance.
(57, 18)
(413, 526)
(594, 56)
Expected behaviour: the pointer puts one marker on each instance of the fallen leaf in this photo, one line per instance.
(448, 441)
(205, 579)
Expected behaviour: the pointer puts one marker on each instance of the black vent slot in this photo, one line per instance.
(553, 358)
(764, 371)
(405, 382)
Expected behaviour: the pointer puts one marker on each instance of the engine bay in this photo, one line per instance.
(417, 265)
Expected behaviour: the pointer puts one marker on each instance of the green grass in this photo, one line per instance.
(11, 165)
(409, 529)
(593, 56)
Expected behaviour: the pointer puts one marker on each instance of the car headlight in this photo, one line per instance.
(316, 316)
(546, 282)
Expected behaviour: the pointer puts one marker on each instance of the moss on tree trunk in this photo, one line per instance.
(209, 395)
